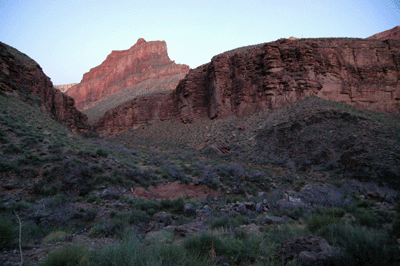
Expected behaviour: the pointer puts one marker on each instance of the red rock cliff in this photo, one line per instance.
(387, 35)
(360, 72)
(23, 76)
(145, 63)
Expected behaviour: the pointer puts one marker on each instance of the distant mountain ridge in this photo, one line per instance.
(142, 69)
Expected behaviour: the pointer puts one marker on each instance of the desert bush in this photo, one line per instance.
(8, 166)
(67, 256)
(12, 149)
(336, 212)
(317, 222)
(138, 216)
(130, 251)
(368, 218)
(175, 205)
(233, 171)
(240, 247)
(7, 232)
(93, 198)
(362, 246)
(365, 204)
(279, 233)
(101, 152)
(200, 245)
(107, 228)
(173, 172)
(55, 236)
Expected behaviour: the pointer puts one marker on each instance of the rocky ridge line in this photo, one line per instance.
(360, 72)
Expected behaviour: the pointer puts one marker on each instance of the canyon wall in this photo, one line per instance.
(23, 77)
(361, 72)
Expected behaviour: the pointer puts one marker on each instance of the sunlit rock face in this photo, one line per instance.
(144, 68)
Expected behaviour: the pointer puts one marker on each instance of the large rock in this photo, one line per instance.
(144, 68)
(307, 250)
(360, 72)
(22, 76)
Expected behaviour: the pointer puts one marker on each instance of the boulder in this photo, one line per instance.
(162, 217)
(307, 250)
(275, 220)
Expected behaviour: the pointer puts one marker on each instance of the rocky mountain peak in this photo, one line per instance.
(142, 69)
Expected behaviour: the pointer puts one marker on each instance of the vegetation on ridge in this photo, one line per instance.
(75, 194)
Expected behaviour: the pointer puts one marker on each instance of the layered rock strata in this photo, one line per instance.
(364, 73)
(23, 77)
(65, 87)
(143, 69)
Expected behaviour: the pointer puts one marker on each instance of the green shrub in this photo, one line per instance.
(317, 222)
(55, 236)
(368, 218)
(362, 246)
(93, 198)
(12, 149)
(200, 245)
(365, 204)
(130, 251)
(138, 216)
(7, 233)
(239, 247)
(67, 256)
(396, 226)
(101, 152)
(8, 166)
(336, 212)
(108, 228)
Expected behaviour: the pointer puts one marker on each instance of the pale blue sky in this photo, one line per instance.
(69, 37)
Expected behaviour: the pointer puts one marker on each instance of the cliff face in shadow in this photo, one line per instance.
(22, 76)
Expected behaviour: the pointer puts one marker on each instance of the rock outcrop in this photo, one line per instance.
(391, 34)
(22, 76)
(363, 73)
(65, 87)
(143, 69)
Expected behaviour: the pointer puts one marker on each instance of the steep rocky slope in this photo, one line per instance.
(387, 34)
(363, 73)
(144, 68)
(22, 76)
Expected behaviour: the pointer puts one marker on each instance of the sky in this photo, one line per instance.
(69, 37)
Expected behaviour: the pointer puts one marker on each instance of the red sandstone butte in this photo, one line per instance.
(360, 72)
(22, 76)
(143, 69)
